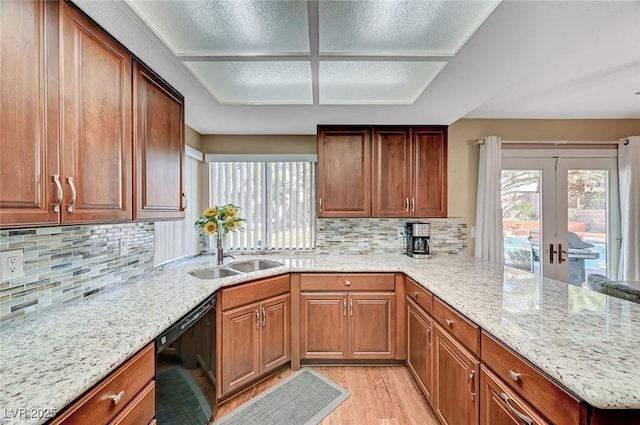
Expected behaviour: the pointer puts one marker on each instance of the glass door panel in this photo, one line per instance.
(521, 217)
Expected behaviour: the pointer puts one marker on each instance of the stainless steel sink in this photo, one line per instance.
(253, 265)
(213, 273)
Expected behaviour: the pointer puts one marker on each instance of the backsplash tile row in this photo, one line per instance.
(62, 264)
(380, 235)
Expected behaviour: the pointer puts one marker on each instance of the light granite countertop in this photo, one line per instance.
(588, 342)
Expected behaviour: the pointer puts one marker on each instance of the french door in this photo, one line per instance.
(561, 216)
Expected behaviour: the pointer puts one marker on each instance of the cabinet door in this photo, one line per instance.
(240, 346)
(344, 173)
(96, 131)
(456, 375)
(323, 326)
(275, 337)
(501, 406)
(429, 172)
(158, 146)
(372, 322)
(391, 172)
(419, 346)
(29, 112)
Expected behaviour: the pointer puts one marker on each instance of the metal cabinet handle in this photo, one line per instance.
(449, 322)
(429, 336)
(347, 282)
(264, 317)
(73, 194)
(415, 294)
(407, 204)
(413, 204)
(344, 308)
(56, 180)
(184, 201)
(257, 320)
(117, 397)
(560, 252)
(514, 375)
(527, 420)
(320, 204)
(351, 307)
(471, 393)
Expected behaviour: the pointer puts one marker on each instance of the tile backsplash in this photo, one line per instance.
(380, 235)
(62, 264)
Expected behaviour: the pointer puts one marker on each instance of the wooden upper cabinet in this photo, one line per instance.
(158, 147)
(391, 172)
(429, 172)
(96, 116)
(29, 113)
(344, 172)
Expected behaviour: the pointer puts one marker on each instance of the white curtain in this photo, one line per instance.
(629, 182)
(489, 202)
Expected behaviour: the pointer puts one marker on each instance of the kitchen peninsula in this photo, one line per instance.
(585, 341)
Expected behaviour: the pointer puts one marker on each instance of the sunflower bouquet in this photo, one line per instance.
(220, 219)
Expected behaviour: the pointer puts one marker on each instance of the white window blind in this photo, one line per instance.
(276, 198)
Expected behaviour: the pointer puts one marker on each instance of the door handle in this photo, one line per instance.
(560, 252)
(413, 205)
(551, 252)
(407, 204)
(73, 194)
(471, 393)
(527, 420)
(351, 307)
(56, 180)
(344, 307)
(264, 317)
(257, 320)
(320, 204)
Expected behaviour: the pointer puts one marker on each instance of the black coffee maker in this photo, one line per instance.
(418, 237)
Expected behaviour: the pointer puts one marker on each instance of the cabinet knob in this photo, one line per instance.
(117, 397)
(449, 322)
(347, 282)
(514, 375)
(415, 294)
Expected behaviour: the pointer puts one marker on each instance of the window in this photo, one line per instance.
(276, 198)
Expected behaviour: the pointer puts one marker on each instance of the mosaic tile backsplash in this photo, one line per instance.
(380, 235)
(62, 264)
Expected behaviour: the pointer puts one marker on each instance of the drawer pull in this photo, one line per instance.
(257, 320)
(415, 295)
(527, 420)
(264, 317)
(514, 375)
(351, 307)
(429, 337)
(449, 322)
(471, 393)
(344, 307)
(117, 398)
(347, 282)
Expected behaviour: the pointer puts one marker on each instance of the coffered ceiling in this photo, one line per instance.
(284, 66)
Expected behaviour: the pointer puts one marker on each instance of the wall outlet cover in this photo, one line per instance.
(11, 264)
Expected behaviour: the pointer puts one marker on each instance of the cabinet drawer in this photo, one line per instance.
(348, 282)
(457, 325)
(419, 295)
(252, 292)
(501, 405)
(141, 410)
(97, 407)
(551, 400)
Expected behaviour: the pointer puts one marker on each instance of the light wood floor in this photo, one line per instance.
(380, 395)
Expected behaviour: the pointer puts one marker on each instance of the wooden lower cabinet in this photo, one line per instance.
(347, 325)
(126, 396)
(456, 381)
(255, 340)
(502, 406)
(419, 348)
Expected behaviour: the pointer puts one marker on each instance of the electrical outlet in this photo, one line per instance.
(401, 233)
(124, 248)
(11, 264)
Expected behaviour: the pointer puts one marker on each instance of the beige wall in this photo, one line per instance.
(463, 155)
(192, 138)
(262, 144)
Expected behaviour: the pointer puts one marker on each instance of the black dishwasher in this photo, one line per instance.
(185, 368)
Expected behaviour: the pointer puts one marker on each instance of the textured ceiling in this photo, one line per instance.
(527, 59)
